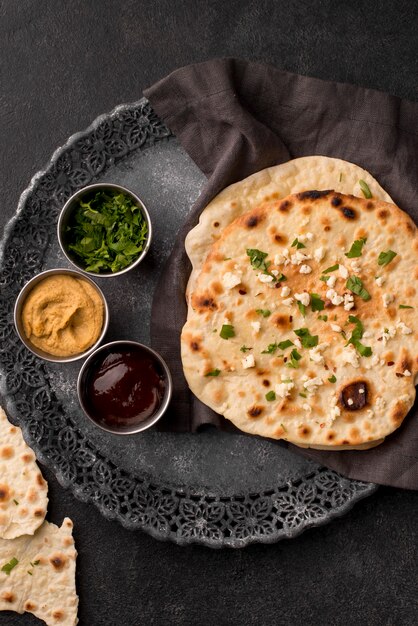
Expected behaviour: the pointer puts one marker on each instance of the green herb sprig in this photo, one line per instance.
(355, 284)
(356, 248)
(7, 567)
(356, 335)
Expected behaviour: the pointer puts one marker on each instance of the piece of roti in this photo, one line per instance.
(273, 183)
(347, 378)
(23, 491)
(37, 574)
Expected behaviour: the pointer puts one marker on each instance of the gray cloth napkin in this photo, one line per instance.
(234, 118)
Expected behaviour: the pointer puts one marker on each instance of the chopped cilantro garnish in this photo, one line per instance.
(307, 340)
(294, 358)
(30, 573)
(244, 348)
(263, 312)
(7, 568)
(386, 257)
(272, 347)
(258, 261)
(301, 307)
(106, 232)
(270, 396)
(213, 373)
(324, 278)
(341, 177)
(227, 331)
(332, 379)
(283, 427)
(316, 303)
(287, 380)
(405, 306)
(16, 502)
(365, 189)
(324, 318)
(356, 335)
(297, 244)
(355, 284)
(303, 395)
(331, 269)
(356, 248)
(285, 344)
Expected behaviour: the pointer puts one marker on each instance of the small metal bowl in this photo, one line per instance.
(83, 378)
(65, 216)
(18, 316)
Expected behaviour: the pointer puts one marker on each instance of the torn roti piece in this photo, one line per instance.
(37, 574)
(23, 491)
(335, 356)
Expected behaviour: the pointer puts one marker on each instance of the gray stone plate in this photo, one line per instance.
(213, 488)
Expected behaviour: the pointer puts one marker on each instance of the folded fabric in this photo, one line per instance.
(234, 118)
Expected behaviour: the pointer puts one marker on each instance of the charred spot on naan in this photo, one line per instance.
(313, 194)
(204, 302)
(398, 413)
(281, 320)
(277, 237)
(252, 219)
(255, 411)
(355, 395)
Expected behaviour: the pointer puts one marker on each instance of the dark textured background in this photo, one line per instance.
(61, 64)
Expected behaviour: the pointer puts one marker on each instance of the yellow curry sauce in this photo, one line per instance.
(63, 315)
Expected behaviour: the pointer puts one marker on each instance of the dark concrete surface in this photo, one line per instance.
(61, 64)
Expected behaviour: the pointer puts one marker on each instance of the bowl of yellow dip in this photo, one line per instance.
(61, 315)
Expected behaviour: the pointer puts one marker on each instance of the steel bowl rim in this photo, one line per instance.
(66, 210)
(24, 292)
(143, 426)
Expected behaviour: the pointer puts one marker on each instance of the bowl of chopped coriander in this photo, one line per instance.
(104, 230)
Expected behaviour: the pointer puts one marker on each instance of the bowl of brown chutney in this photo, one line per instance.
(124, 387)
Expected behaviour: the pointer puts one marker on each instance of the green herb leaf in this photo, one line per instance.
(258, 261)
(285, 344)
(263, 312)
(386, 257)
(331, 269)
(365, 189)
(36, 562)
(283, 427)
(270, 396)
(7, 568)
(30, 573)
(16, 502)
(405, 306)
(356, 248)
(106, 232)
(341, 177)
(287, 380)
(303, 395)
(227, 331)
(297, 244)
(324, 278)
(272, 347)
(301, 307)
(332, 379)
(295, 357)
(324, 318)
(355, 284)
(356, 335)
(211, 373)
(245, 349)
(307, 340)
(316, 303)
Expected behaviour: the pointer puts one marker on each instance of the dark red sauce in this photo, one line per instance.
(124, 387)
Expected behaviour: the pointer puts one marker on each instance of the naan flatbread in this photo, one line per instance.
(23, 491)
(37, 574)
(247, 377)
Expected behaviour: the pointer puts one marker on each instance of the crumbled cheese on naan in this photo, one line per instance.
(407, 373)
(256, 326)
(312, 384)
(334, 297)
(405, 330)
(285, 291)
(282, 258)
(387, 299)
(336, 328)
(288, 301)
(348, 301)
(283, 389)
(343, 271)
(315, 353)
(305, 269)
(356, 267)
(231, 280)
(350, 356)
(299, 257)
(331, 281)
(380, 280)
(303, 297)
(319, 253)
(248, 362)
(265, 278)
